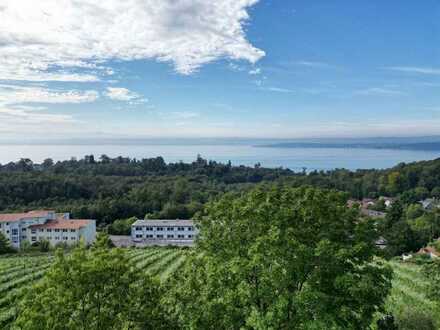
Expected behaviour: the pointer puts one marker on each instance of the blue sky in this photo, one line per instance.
(233, 68)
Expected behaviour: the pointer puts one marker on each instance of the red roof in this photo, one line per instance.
(11, 217)
(63, 224)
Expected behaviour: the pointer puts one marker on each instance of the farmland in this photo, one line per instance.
(408, 297)
(19, 272)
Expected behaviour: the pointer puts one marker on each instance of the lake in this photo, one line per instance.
(293, 158)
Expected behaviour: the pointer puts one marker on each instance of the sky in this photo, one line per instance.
(224, 68)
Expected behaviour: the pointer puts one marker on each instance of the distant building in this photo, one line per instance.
(388, 201)
(164, 231)
(35, 226)
(429, 203)
(373, 213)
(368, 202)
(429, 250)
(381, 243)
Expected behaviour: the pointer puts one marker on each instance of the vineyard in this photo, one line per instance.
(408, 297)
(18, 273)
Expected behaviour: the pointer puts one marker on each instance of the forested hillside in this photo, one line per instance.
(108, 189)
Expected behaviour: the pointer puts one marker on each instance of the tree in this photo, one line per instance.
(281, 258)
(5, 246)
(121, 226)
(93, 289)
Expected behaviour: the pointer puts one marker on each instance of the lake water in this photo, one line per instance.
(293, 158)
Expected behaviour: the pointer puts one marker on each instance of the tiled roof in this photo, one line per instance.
(11, 217)
(165, 223)
(63, 224)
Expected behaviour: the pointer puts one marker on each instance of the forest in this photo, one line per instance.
(108, 189)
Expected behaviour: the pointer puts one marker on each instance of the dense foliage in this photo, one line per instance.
(97, 290)
(118, 188)
(281, 258)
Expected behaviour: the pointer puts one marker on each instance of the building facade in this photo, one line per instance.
(164, 231)
(35, 226)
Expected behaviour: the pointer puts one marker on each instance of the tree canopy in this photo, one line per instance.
(93, 289)
(281, 258)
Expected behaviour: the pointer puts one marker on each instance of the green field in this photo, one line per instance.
(408, 296)
(20, 272)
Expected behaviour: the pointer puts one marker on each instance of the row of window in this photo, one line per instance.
(41, 230)
(57, 238)
(190, 228)
(163, 236)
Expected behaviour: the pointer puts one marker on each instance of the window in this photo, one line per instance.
(170, 228)
(7, 231)
(57, 230)
(65, 238)
(72, 230)
(7, 223)
(138, 235)
(33, 239)
(181, 236)
(23, 237)
(57, 238)
(149, 236)
(170, 236)
(191, 228)
(190, 236)
(149, 228)
(73, 238)
(14, 231)
(181, 228)
(33, 231)
(41, 230)
(64, 230)
(159, 228)
(22, 229)
(49, 230)
(138, 228)
(159, 236)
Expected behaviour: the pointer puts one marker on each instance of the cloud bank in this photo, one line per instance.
(59, 40)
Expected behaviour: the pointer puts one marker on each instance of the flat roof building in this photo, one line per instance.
(164, 232)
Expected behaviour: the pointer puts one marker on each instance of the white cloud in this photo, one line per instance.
(312, 64)
(277, 89)
(123, 94)
(413, 69)
(16, 115)
(54, 39)
(185, 114)
(255, 71)
(13, 94)
(378, 91)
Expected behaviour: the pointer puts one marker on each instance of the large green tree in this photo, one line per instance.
(281, 258)
(5, 246)
(93, 289)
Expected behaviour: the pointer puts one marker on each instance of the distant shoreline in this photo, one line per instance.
(434, 146)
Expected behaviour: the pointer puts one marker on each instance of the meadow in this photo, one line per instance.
(17, 273)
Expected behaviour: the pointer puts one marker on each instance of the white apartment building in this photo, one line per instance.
(54, 227)
(164, 231)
